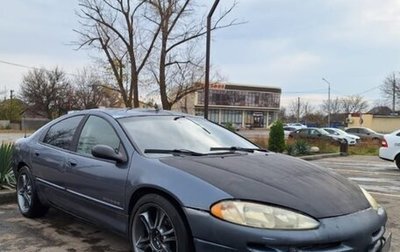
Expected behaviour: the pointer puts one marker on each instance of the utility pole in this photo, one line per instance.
(394, 94)
(329, 101)
(298, 109)
(208, 45)
(11, 101)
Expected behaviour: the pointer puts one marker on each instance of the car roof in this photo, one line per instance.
(128, 112)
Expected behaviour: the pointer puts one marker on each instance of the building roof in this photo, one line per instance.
(380, 110)
(245, 87)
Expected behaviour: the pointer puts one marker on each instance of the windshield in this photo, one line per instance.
(342, 132)
(324, 132)
(330, 131)
(180, 133)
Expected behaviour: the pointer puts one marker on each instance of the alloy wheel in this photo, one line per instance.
(24, 190)
(153, 230)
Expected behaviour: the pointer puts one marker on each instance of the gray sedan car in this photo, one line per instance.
(179, 183)
(366, 134)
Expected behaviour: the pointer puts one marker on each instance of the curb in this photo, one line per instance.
(321, 156)
(7, 196)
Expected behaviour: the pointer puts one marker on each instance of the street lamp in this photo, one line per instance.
(329, 101)
(208, 43)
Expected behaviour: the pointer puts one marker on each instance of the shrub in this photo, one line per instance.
(7, 179)
(298, 148)
(291, 150)
(302, 147)
(230, 127)
(276, 141)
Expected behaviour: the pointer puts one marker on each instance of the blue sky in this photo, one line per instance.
(284, 43)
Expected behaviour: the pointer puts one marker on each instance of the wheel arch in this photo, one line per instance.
(20, 165)
(140, 192)
(396, 156)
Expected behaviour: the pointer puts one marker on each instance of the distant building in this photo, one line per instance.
(380, 110)
(380, 119)
(243, 106)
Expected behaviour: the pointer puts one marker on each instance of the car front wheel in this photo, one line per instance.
(156, 225)
(28, 202)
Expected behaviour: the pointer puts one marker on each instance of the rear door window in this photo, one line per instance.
(61, 134)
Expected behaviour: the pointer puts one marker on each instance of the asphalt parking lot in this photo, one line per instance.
(380, 178)
(61, 232)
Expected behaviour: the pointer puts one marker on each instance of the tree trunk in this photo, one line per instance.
(163, 55)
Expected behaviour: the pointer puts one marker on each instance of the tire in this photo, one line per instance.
(397, 161)
(28, 201)
(156, 225)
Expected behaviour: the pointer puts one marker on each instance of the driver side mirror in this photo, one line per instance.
(106, 152)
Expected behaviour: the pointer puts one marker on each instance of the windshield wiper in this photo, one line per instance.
(173, 151)
(237, 148)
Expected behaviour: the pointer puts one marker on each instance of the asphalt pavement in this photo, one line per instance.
(381, 178)
(61, 232)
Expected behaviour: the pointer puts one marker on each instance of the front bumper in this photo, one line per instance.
(361, 231)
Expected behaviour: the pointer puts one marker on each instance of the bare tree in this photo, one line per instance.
(47, 91)
(88, 89)
(114, 27)
(177, 64)
(354, 103)
(92, 91)
(335, 106)
(300, 108)
(391, 90)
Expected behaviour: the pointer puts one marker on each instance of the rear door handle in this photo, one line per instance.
(37, 154)
(72, 162)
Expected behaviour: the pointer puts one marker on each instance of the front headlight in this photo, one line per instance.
(261, 216)
(370, 199)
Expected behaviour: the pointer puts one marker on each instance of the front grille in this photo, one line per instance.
(321, 247)
(333, 246)
(377, 240)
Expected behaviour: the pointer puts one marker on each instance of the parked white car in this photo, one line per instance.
(349, 138)
(287, 130)
(295, 125)
(390, 149)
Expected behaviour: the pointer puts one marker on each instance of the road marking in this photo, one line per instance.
(370, 172)
(385, 194)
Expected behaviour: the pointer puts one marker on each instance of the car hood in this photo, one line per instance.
(278, 180)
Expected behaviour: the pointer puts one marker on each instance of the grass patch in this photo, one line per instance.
(366, 148)
(323, 145)
(262, 142)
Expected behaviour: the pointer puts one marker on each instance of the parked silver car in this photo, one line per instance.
(349, 138)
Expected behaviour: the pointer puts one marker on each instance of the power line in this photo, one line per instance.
(368, 90)
(303, 92)
(30, 67)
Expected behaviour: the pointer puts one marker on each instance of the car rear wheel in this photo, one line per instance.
(157, 226)
(397, 160)
(28, 201)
